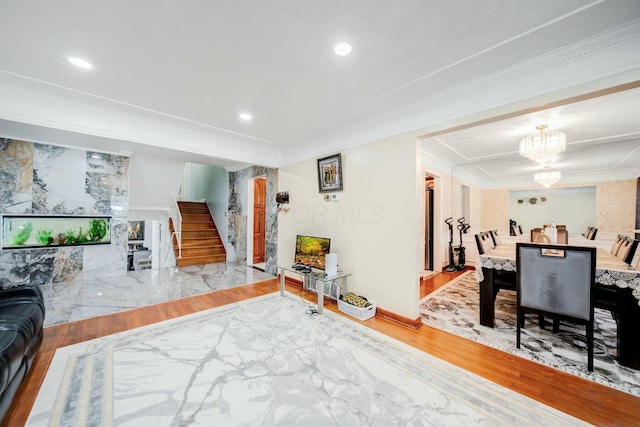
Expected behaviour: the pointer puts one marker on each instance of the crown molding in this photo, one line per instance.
(26, 106)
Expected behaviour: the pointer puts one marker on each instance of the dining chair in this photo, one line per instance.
(608, 297)
(591, 235)
(627, 249)
(556, 281)
(538, 236)
(562, 236)
(484, 241)
(497, 241)
(502, 279)
(616, 244)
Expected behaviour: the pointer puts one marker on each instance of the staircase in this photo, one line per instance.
(201, 243)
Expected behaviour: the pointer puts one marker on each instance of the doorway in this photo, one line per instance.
(259, 221)
(429, 185)
(144, 245)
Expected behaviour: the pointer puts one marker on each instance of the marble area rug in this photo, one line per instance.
(263, 362)
(455, 308)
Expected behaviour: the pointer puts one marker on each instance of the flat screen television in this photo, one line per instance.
(310, 251)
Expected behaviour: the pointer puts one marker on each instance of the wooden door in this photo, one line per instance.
(259, 219)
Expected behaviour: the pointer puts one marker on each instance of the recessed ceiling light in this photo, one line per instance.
(342, 49)
(79, 62)
(245, 116)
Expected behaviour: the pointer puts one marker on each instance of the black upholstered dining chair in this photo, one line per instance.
(556, 281)
(501, 279)
(484, 241)
(627, 249)
(497, 241)
(516, 230)
(616, 244)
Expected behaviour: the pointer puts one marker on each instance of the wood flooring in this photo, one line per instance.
(581, 398)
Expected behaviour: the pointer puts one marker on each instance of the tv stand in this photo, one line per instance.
(316, 281)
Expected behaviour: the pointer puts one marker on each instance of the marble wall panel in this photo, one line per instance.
(107, 190)
(106, 183)
(238, 209)
(14, 268)
(68, 263)
(46, 179)
(58, 180)
(16, 175)
(41, 266)
(55, 265)
(271, 253)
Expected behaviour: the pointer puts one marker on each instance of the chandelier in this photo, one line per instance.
(543, 147)
(547, 178)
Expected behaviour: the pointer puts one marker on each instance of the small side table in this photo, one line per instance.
(319, 280)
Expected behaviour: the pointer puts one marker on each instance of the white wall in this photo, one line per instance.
(373, 224)
(615, 206)
(154, 181)
(573, 207)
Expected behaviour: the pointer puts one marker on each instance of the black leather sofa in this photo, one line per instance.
(21, 329)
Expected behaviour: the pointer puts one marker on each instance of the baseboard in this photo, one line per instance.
(382, 313)
(404, 321)
(292, 281)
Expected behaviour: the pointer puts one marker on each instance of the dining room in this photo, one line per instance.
(582, 191)
(595, 165)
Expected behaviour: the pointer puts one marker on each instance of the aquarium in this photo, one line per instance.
(37, 231)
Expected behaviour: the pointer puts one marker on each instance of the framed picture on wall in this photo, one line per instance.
(135, 230)
(330, 173)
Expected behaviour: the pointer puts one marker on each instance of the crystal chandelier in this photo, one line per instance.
(547, 178)
(543, 147)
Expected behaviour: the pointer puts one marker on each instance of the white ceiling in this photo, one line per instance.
(174, 75)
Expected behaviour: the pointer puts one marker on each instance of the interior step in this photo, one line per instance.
(187, 208)
(198, 243)
(199, 234)
(202, 251)
(198, 225)
(196, 217)
(201, 260)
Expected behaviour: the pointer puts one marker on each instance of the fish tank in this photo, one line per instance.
(39, 231)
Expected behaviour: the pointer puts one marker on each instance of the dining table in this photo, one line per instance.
(611, 272)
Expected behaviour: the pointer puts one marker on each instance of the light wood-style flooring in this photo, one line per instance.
(581, 398)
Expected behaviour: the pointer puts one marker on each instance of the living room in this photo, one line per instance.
(376, 222)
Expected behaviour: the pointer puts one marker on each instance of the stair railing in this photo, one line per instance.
(177, 227)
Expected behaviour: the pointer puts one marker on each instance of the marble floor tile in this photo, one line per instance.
(82, 299)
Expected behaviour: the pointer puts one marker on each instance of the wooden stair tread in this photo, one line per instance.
(199, 243)
(201, 260)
